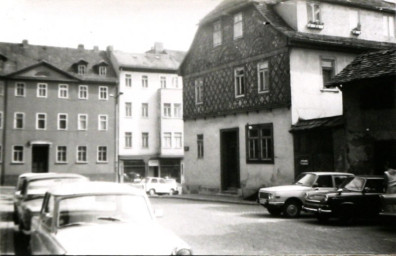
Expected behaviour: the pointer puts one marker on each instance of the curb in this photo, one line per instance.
(208, 199)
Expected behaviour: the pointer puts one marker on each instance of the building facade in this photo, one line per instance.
(368, 86)
(57, 111)
(150, 105)
(257, 68)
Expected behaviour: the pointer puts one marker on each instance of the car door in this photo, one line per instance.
(162, 186)
(370, 202)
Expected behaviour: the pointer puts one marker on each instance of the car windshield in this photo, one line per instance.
(307, 179)
(99, 209)
(39, 187)
(356, 184)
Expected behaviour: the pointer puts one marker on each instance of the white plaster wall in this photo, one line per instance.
(206, 172)
(137, 124)
(336, 19)
(309, 100)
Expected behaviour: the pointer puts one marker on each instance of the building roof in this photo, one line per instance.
(318, 123)
(22, 56)
(166, 60)
(366, 66)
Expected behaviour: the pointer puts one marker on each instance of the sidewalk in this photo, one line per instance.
(221, 198)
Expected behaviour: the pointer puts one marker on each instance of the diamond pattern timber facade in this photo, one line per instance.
(215, 66)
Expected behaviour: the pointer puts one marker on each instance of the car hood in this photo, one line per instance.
(119, 239)
(285, 188)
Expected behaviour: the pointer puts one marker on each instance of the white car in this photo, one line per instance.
(156, 185)
(288, 199)
(101, 218)
(30, 191)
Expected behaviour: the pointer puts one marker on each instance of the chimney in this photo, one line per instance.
(80, 47)
(158, 47)
(110, 48)
(25, 43)
(96, 48)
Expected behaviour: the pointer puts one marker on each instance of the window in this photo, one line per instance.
(128, 139)
(61, 154)
(324, 181)
(42, 90)
(175, 82)
(389, 25)
(63, 91)
(167, 140)
(128, 109)
(83, 92)
(199, 91)
(81, 69)
(239, 82)
(259, 144)
(163, 82)
(62, 121)
(17, 154)
(19, 120)
(82, 154)
(167, 110)
(145, 140)
(20, 89)
(102, 154)
(327, 70)
(102, 70)
(263, 76)
(144, 81)
(238, 25)
(41, 121)
(144, 109)
(82, 122)
(313, 12)
(217, 33)
(103, 92)
(102, 126)
(128, 80)
(177, 109)
(178, 140)
(200, 145)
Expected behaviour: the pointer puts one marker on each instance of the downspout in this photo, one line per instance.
(2, 176)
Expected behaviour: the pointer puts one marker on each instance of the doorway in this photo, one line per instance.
(40, 158)
(229, 154)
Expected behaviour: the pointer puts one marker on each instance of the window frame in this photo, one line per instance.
(85, 91)
(217, 33)
(39, 90)
(239, 82)
(65, 120)
(22, 151)
(81, 69)
(128, 140)
(167, 110)
(324, 68)
(260, 159)
(145, 140)
(167, 140)
(37, 121)
(237, 22)
(59, 160)
(102, 70)
(85, 154)
(178, 137)
(177, 110)
(99, 155)
(128, 80)
(105, 91)
(17, 89)
(144, 81)
(163, 82)
(128, 109)
(313, 11)
(106, 122)
(389, 26)
(266, 82)
(15, 120)
(198, 84)
(61, 90)
(79, 122)
(200, 146)
(145, 110)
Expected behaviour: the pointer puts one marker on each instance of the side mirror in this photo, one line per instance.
(339, 191)
(159, 213)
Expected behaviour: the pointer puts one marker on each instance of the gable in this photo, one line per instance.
(43, 71)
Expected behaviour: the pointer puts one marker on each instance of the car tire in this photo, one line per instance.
(274, 211)
(292, 209)
(171, 192)
(151, 192)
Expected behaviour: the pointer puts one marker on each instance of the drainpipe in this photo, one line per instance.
(2, 176)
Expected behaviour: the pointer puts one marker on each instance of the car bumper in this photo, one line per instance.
(316, 210)
(267, 203)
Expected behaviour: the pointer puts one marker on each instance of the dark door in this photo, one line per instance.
(229, 146)
(384, 156)
(40, 158)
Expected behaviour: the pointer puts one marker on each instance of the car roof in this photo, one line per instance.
(330, 173)
(49, 175)
(94, 187)
(371, 177)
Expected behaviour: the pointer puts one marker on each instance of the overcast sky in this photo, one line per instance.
(127, 25)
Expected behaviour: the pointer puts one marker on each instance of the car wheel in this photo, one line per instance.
(151, 192)
(171, 192)
(274, 211)
(292, 209)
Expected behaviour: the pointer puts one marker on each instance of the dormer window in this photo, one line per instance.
(313, 14)
(102, 70)
(81, 69)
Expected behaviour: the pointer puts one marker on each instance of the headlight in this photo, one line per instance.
(183, 251)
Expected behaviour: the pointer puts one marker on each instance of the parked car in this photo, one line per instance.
(356, 198)
(389, 198)
(101, 218)
(288, 199)
(156, 185)
(30, 191)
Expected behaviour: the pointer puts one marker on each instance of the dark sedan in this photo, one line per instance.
(357, 198)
